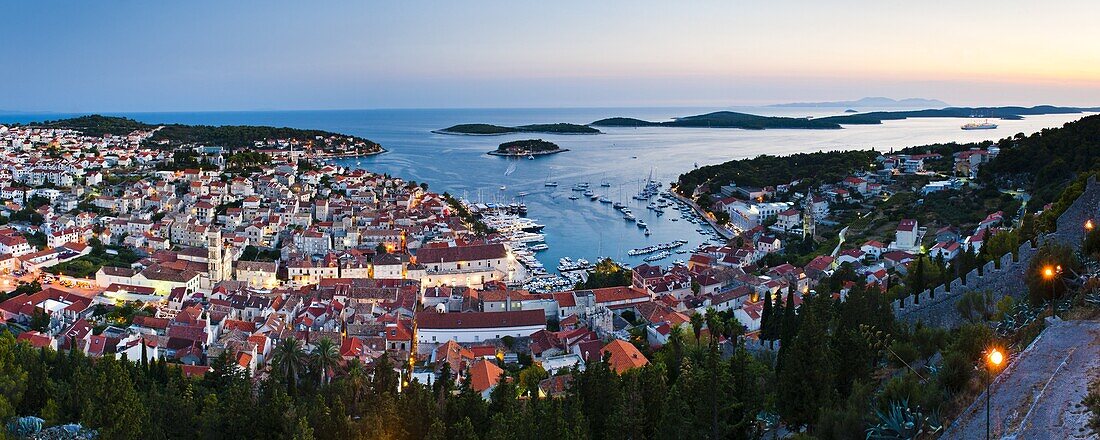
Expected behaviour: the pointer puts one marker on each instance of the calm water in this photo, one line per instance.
(583, 228)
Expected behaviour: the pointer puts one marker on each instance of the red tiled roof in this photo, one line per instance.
(624, 356)
(484, 375)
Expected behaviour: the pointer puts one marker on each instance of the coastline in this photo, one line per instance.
(536, 153)
(346, 155)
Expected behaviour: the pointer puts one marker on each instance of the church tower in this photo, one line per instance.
(808, 222)
(214, 256)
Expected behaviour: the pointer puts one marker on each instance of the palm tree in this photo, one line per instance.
(326, 357)
(288, 359)
(697, 325)
(357, 380)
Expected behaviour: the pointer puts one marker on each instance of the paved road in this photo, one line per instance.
(1038, 395)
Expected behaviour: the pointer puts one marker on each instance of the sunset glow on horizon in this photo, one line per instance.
(210, 55)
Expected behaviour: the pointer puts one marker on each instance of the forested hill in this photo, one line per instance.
(491, 130)
(723, 119)
(727, 119)
(765, 170)
(1046, 161)
(229, 136)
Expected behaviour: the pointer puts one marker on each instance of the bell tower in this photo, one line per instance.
(215, 261)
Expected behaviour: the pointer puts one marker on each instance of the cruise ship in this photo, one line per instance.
(984, 125)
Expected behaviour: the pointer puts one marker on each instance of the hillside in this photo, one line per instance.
(765, 170)
(723, 119)
(728, 119)
(228, 136)
(492, 130)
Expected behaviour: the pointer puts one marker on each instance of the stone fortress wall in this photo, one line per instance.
(936, 307)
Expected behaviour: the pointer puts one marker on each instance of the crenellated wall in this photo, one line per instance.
(936, 307)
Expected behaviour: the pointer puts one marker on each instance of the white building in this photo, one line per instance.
(472, 327)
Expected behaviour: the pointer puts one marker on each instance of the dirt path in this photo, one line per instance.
(1038, 395)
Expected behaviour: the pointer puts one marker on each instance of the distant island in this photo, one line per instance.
(1006, 113)
(493, 130)
(231, 137)
(527, 147)
(728, 119)
(873, 101)
(723, 119)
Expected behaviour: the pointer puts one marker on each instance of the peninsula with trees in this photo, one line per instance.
(314, 143)
(493, 130)
(527, 147)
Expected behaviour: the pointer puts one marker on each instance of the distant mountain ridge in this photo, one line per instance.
(871, 101)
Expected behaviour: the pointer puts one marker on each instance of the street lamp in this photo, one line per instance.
(995, 358)
(1051, 273)
(1089, 225)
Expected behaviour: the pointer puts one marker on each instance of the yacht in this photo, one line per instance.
(984, 125)
(604, 199)
(523, 194)
(641, 224)
(551, 184)
(573, 197)
(588, 193)
(628, 216)
(540, 247)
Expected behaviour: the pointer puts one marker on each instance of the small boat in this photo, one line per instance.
(647, 232)
(628, 216)
(551, 184)
(530, 157)
(589, 193)
(573, 197)
(641, 224)
(604, 199)
(502, 187)
(619, 205)
(523, 194)
(539, 247)
(594, 197)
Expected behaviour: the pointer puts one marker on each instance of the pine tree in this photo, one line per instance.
(765, 319)
(807, 381)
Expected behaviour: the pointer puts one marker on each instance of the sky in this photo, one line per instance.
(131, 55)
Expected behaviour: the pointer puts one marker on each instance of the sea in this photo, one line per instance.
(624, 158)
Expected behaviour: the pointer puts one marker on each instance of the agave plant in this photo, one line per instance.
(24, 426)
(904, 422)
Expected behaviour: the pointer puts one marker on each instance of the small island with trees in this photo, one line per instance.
(527, 147)
(493, 130)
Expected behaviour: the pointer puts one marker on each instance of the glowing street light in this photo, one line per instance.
(995, 359)
(1051, 273)
(1089, 225)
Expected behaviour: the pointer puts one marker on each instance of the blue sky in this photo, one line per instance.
(243, 55)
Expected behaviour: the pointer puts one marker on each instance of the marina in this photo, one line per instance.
(580, 228)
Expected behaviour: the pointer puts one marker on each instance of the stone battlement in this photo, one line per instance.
(936, 307)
